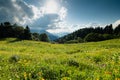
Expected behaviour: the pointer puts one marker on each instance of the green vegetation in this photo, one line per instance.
(32, 60)
(91, 34)
(7, 30)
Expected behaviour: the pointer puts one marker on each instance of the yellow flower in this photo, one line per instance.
(25, 75)
(69, 71)
(39, 73)
(17, 75)
(107, 72)
(42, 79)
(29, 74)
(25, 61)
(65, 78)
(117, 78)
(97, 79)
(116, 71)
(112, 62)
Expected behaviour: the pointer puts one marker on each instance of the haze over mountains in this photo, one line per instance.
(51, 36)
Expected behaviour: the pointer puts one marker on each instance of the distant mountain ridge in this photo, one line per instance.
(91, 34)
(51, 36)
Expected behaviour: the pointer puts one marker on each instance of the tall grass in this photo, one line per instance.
(31, 60)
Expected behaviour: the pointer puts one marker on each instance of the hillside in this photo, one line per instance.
(91, 34)
(31, 60)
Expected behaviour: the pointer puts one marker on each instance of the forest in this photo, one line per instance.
(7, 30)
(91, 34)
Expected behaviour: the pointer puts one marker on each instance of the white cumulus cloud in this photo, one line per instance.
(116, 23)
(18, 11)
(26, 13)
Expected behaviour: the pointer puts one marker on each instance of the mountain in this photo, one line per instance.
(92, 34)
(51, 36)
(61, 34)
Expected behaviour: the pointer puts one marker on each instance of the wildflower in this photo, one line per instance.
(29, 74)
(65, 78)
(42, 79)
(113, 62)
(97, 79)
(39, 73)
(19, 61)
(117, 78)
(107, 72)
(69, 71)
(25, 61)
(16, 75)
(116, 71)
(25, 75)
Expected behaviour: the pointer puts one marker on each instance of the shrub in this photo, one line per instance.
(49, 74)
(14, 58)
(98, 59)
(73, 63)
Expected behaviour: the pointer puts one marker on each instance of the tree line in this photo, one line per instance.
(8, 30)
(91, 34)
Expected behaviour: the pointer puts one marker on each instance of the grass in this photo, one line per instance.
(31, 60)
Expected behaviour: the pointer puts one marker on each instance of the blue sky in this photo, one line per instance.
(60, 16)
(100, 11)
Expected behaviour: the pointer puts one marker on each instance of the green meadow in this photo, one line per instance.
(32, 60)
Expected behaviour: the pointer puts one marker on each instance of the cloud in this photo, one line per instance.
(63, 27)
(116, 23)
(45, 21)
(24, 12)
(92, 25)
(18, 11)
(52, 21)
(63, 13)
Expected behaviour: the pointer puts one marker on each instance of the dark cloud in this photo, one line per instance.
(15, 11)
(45, 21)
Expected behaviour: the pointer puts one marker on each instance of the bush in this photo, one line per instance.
(50, 74)
(73, 63)
(98, 59)
(14, 58)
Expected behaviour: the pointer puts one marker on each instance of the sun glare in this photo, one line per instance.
(51, 7)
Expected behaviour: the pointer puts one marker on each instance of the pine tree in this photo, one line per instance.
(27, 34)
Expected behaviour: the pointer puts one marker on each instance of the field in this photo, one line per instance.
(31, 60)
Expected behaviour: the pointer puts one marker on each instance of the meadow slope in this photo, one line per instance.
(31, 60)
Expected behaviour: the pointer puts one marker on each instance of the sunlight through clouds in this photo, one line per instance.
(51, 7)
(49, 15)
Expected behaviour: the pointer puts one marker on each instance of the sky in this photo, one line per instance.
(60, 16)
